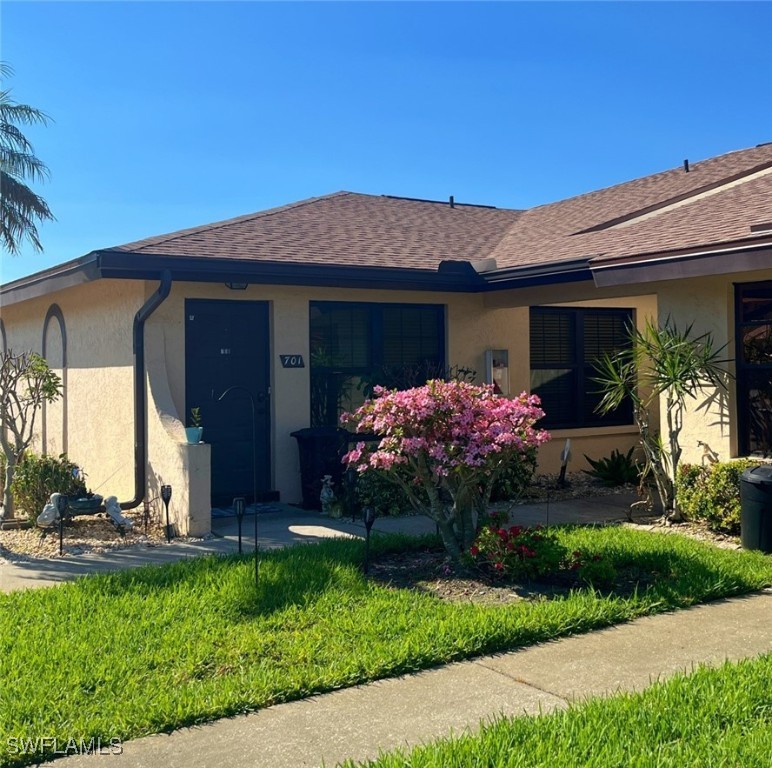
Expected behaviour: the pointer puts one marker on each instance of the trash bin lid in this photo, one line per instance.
(314, 432)
(761, 475)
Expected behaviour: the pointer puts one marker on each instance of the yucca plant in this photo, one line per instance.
(661, 361)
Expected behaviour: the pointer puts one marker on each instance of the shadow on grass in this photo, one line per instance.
(294, 576)
(301, 575)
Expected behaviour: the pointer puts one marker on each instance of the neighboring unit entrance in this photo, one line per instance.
(754, 368)
(227, 345)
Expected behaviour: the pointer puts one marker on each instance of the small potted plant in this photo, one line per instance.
(195, 430)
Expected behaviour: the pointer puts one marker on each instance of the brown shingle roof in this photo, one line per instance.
(345, 228)
(558, 231)
(715, 202)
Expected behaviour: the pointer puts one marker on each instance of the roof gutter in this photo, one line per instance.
(655, 267)
(67, 275)
(568, 271)
(140, 389)
(448, 277)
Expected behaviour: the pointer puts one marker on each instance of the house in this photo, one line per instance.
(291, 313)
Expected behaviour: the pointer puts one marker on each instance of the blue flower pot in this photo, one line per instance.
(194, 434)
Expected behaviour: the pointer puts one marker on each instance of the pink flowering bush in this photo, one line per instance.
(444, 444)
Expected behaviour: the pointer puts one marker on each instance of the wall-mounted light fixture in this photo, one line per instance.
(237, 286)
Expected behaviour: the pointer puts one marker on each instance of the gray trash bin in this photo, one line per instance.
(756, 508)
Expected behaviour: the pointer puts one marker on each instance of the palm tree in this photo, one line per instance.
(22, 209)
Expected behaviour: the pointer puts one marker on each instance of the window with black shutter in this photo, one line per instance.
(566, 342)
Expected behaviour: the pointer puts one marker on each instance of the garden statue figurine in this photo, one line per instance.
(113, 510)
(50, 514)
(327, 496)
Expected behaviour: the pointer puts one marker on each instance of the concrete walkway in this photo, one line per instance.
(359, 722)
(288, 526)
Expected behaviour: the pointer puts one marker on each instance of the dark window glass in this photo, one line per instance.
(355, 346)
(565, 345)
(756, 304)
(754, 368)
(758, 393)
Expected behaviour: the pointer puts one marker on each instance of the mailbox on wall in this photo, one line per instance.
(497, 370)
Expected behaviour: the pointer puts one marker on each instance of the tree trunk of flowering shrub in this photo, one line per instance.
(446, 440)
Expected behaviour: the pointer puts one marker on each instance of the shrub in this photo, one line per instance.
(712, 493)
(517, 552)
(26, 383)
(37, 477)
(617, 469)
(515, 477)
(375, 490)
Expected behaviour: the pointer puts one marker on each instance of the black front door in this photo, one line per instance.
(227, 373)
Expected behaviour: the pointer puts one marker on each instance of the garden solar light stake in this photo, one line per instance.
(238, 506)
(145, 514)
(565, 455)
(61, 507)
(257, 561)
(369, 517)
(166, 497)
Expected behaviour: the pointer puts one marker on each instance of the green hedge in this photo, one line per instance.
(712, 493)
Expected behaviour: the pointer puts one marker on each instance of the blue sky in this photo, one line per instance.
(169, 115)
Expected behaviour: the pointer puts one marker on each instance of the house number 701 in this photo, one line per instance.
(292, 361)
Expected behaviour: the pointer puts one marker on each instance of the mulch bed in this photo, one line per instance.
(433, 572)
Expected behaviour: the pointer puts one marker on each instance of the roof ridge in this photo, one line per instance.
(693, 166)
(160, 239)
(684, 197)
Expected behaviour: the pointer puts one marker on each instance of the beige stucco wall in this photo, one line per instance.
(98, 397)
(99, 394)
(708, 303)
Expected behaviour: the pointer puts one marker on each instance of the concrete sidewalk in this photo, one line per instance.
(359, 722)
(286, 527)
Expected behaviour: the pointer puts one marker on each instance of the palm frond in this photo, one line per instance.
(21, 209)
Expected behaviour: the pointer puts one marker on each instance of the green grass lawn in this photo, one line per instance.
(713, 718)
(152, 649)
